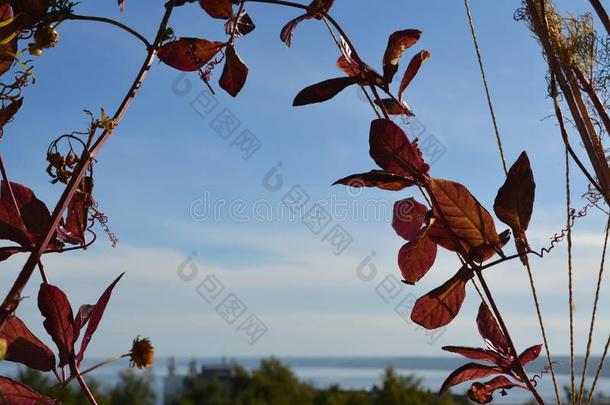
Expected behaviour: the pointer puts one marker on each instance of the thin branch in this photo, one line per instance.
(570, 278)
(486, 86)
(593, 314)
(598, 373)
(111, 22)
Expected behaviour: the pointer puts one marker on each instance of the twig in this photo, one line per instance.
(111, 22)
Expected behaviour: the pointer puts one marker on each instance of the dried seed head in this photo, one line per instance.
(142, 353)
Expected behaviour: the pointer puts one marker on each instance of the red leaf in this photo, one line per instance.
(30, 11)
(25, 348)
(189, 54)
(530, 354)
(217, 8)
(409, 216)
(240, 24)
(14, 393)
(397, 44)
(391, 149)
(7, 55)
(234, 74)
(474, 353)
(7, 252)
(59, 321)
(470, 222)
(416, 258)
(490, 330)
(481, 393)
(82, 316)
(441, 305)
(467, 372)
(76, 220)
(34, 212)
(348, 66)
(417, 61)
(377, 178)
(288, 29)
(121, 4)
(515, 201)
(394, 108)
(322, 91)
(96, 316)
(8, 112)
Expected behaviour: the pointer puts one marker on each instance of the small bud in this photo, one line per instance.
(34, 49)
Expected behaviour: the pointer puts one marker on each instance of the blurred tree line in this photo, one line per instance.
(272, 383)
(275, 384)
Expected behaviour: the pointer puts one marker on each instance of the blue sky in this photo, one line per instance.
(166, 157)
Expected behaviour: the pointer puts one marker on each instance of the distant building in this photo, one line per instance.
(175, 384)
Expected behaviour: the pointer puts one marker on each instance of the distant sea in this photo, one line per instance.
(360, 372)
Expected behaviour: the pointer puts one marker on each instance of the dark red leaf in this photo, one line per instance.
(416, 63)
(189, 54)
(348, 66)
(14, 393)
(409, 216)
(322, 91)
(467, 372)
(25, 348)
(121, 4)
(82, 316)
(377, 178)
(240, 24)
(30, 11)
(482, 393)
(474, 353)
(441, 305)
(59, 320)
(7, 55)
(394, 108)
(470, 223)
(515, 201)
(8, 112)
(96, 316)
(7, 252)
(530, 354)
(288, 29)
(491, 331)
(217, 8)
(417, 257)
(392, 151)
(76, 220)
(234, 74)
(397, 44)
(34, 212)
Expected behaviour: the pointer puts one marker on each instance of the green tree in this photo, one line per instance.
(133, 389)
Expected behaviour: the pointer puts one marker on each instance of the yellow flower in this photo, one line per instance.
(142, 353)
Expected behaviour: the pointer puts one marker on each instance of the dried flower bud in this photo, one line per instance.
(46, 37)
(142, 353)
